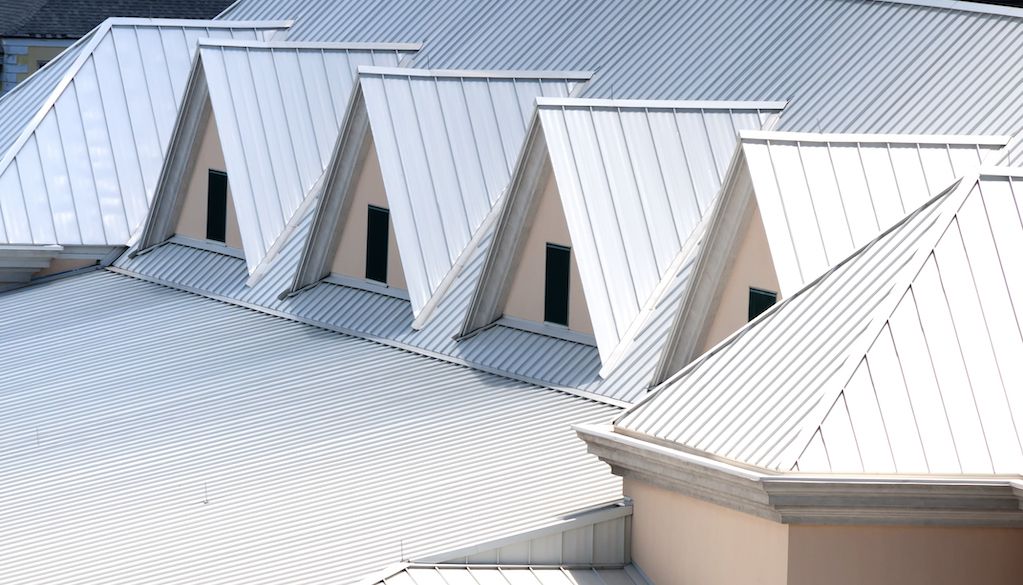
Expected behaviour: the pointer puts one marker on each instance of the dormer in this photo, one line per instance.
(606, 196)
(423, 158)
(252, 142)
(794, 205)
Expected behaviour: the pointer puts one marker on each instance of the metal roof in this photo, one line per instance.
(824, 196)
(843, 65)
(447, 142)
(73, 18)
(538, 356)
(234, 446)
(506, 575)
(902, 359)
(278, 109)
(635, 179)
(85, 164)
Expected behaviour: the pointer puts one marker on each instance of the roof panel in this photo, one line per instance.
(238, 470)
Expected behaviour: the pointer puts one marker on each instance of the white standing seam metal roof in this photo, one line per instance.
(902, 359)
(278, 109)
(935, 67)
(447, 142)
(824, 196)
(505, 575)
(238, 447)
(84, 167)
(635, 179)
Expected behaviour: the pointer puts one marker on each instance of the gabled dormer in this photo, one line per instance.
(252, 141)
(423, 158)
(605, 197)
(796, 204)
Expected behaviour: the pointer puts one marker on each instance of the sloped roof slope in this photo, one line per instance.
(940, 67)
(85, 165)
(278, 108)
(202, 456)
(902, 359)
(635, 179)
(824, 196)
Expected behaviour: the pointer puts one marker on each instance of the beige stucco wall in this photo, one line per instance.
(896, 555)
(350, 256)
(192, 222)
(752, 267)
(678, 540)
(526, 293)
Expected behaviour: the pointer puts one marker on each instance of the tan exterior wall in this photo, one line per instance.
(525, 296)
(752, 267)
(678, 540)
(192, 222)
(896, 555)
(59, 265)
(350, 256)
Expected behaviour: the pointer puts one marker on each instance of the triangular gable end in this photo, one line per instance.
(634, 179)
(446, 143)
(817, 198)
(278, 108)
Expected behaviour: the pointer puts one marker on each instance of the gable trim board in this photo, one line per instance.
(747, 187)
(445, 163)
(277, 140)
(660, 195)
(83, 167)
(910, 378)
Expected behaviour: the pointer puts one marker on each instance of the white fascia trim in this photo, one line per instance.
(960, 6)
(941, 139)
(366, 285)
(251, 44)
(474, 73)
(1001, 172)
(547, 329)
(208, 245)
(797, 498)
(193, 23)
(558, 525)
(662, 104)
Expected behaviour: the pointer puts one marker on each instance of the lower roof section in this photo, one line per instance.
(519, 574)
(151, 435)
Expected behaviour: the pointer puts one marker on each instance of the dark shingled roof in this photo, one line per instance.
(71, 19)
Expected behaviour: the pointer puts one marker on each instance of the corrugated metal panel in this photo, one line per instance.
(84, 169)
(278, 110)
(447, 143)
(756, 396)
(844, 65)
(237, 447)
(635, 180)
(526, 355)
(824, 196)
(538, 575)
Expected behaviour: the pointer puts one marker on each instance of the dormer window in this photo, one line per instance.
(759, 301)
(216, 206)
(377, 236)
(556, 283)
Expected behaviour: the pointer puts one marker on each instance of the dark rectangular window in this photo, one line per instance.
(555, 294)
(377, 228)
(216, 206)
(760, 301)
